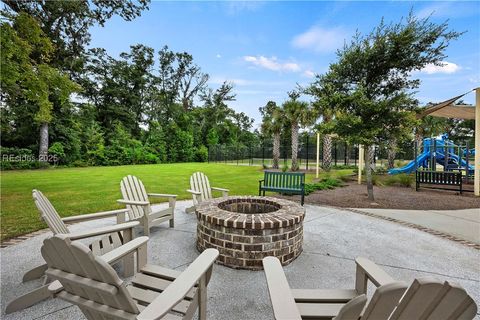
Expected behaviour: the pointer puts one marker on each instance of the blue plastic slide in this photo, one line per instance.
(442, 144)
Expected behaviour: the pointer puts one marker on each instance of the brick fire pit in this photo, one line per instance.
(247, 229)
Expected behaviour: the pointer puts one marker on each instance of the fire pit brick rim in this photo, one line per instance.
(289, 213)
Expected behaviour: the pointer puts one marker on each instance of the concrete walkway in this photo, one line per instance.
(464, 224)
(332, 239)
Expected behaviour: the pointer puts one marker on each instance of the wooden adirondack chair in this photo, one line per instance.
(425, 299)
(154, 293)
(111, 238)
(135, 197)
(201, 190)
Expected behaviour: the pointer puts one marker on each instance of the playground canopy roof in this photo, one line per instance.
(447, 109)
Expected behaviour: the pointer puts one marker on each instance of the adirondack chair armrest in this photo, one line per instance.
(100, 231)
(220, 189)
(179, 288)
(367, 269)
(120, 252)
(55, 287)
(283, 303)
(162, 195)
(197, 193)
(133, 202)
(94, 216)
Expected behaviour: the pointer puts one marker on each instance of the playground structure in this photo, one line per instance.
(442, 151)
(448, 109)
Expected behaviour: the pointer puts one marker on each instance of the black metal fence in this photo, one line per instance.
(262, 153)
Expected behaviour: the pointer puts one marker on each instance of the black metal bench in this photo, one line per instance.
(283, 182)
(441, 178)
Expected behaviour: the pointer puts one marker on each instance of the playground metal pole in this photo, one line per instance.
(415, 154)
(361, 156)
(467, 155)
(306, 165)
(318, 155)
(476, 178)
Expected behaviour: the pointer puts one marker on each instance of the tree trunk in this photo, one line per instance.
(294, 146)
(368, 171)
(347, 154)
(276, 150)
(391, 153)
(43, 150)
(327, 152)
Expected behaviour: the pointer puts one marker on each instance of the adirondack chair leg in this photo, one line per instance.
(224, 194)
(360, 281)
(35, 273)
(171, 204)
(190, 209)
(202, 298)
(29, 299)
(129, 260)
(141, 257)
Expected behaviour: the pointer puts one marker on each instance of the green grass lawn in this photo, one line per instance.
(85, 190)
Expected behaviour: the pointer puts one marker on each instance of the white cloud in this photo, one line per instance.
(445, 67)
(218, 55)
(272, 63)
(219, 79)
(309, 73)
(236, 7)
(320, 39)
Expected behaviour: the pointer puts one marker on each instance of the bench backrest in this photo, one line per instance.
(439, 177)
(293, 180)
(88, 281)
(133, 189)
(199, 182)
(48, 213)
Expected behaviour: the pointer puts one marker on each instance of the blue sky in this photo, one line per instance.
(266, 48)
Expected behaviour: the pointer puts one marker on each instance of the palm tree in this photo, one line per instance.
(272, 124)
(320, 90)
(299, 114)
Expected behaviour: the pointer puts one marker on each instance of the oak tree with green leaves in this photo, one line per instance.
(28, 80)
(373, 80)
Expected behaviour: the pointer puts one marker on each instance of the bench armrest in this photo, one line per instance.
(94, 216)
(133, 202)
(220, 189)
(283, 303)
(179, 288)
(101, 231)
(368, 270)
(125, 249)
(162, 195)
(197, 193)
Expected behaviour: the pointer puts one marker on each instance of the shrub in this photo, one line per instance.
(285, 168)
(201, 154)
(56, 150)
(324, 184)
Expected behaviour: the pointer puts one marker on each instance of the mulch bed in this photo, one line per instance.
(353, 195)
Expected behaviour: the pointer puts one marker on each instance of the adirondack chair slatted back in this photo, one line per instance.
(384, 301)
(292, 180)
(48, 213)
(133, 189)
(88, 281)
(199, 182)
(430, 299)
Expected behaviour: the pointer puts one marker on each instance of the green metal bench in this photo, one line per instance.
(283, 182)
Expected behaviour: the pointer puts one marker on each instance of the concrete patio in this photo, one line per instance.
(332, 239)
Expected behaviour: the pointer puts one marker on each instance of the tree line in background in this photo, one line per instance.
(367, 95)
(142, 107)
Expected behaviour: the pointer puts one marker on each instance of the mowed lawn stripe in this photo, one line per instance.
(84, 190)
